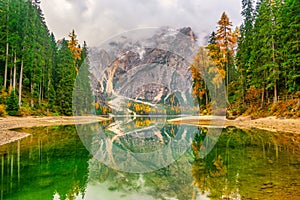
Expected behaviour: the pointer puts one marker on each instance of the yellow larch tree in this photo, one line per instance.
(75, 48)
(221, 49)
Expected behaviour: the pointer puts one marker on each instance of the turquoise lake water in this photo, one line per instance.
(53, 163)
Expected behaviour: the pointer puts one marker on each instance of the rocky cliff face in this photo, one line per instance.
(147, 66)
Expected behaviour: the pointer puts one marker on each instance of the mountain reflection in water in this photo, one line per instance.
(54, 164)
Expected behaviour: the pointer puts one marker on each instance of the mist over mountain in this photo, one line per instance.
(146, 66)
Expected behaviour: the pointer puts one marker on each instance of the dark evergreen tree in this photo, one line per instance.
(291, 44)
(64, 79)
(268, 52)
(12, 106)
(50, 92)
(83, 99)
(244, 47)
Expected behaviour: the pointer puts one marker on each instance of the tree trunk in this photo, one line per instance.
(43, 83)
(15, 72)
(274, 68)
(48, 86)
(32, 92)
(298, 104)
(199, 104)
(7, 46)
(294, 81)
(6, 65)
(262, 97)
(227, 100)
(227, 77)
(243, 88)
(40, 94)
(10, 80)
(275, 93)
(206, 98)
(21, 83)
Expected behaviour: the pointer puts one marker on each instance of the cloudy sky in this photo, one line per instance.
(97, 20)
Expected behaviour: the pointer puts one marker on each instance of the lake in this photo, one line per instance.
(58, 163)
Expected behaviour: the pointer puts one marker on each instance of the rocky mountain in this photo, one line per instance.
(146, 66)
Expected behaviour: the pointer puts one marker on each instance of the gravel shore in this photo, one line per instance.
(6, 124)
(269, 123)
(7, 135)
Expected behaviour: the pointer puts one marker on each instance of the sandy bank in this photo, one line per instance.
(269, 123)
(7, 136)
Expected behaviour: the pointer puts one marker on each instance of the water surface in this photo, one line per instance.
(54, 163)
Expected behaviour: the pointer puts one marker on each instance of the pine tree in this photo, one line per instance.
(198, 69)
(75, 49)
(83, 55)
(12, 106)
(221, 50)
(50, 92)
(83, 99)
(226, 40)
(2, 40)
(245, 47)
(264, 60)
(64, 78)
(215, 52)
(291, 44)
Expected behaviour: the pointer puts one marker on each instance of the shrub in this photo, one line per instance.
(2, 110)
(12, 106)
(3, 95)
(25, 110)
(253, 95)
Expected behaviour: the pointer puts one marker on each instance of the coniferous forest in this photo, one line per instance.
(258, 61)
(37, 73)
(268, 56)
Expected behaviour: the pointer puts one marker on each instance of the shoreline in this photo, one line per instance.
(272, 124)
(269, 124)
(7, 123)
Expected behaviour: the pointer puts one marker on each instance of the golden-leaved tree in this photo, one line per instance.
(221, 49)
(207, 78)
(197, 69)
(75, 48)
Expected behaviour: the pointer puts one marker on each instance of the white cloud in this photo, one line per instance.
(97, 20)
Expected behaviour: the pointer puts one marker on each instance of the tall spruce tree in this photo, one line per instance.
(12, 106)
(244, 47)
(264, 59)
(64, 79)
(291, 44)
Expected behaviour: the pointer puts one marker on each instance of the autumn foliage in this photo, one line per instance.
(75, 48)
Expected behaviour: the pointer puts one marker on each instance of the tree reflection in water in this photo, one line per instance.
(50, 163)
(248, 164)
(53, 163)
